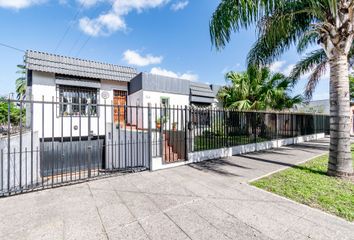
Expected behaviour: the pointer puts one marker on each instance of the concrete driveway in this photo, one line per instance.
(209, 200)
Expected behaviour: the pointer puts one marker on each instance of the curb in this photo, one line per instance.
(304, 205)
(284, 168)
(293, 201)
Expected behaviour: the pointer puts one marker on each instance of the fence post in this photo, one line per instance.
(276, 126)
(149, 137)
(226, 124)
(20, 152)
(186, 133)
(255, 127)
(8, 142)
(292, 126)
(31, 124)
(162, 139)
(315, 125)
(89, 140)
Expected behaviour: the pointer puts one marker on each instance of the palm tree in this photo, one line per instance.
(21, 83)
(257, 89)
(282, 23)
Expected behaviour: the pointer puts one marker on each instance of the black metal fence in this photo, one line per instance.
(212, 128)
(47, 143)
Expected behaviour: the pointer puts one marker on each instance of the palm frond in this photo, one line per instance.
(308, 63)
(308, 39)
(315, 76)
(231, 15)
(279, 31)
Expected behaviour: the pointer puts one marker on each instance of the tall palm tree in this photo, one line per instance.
(21, 83)
(257, 89)
(282, 23)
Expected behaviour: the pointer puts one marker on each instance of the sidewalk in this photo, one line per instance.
(209, 200)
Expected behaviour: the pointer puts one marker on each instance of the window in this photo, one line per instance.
(77, 101)
(165, 103)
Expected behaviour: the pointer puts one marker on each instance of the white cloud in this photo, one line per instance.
(187, 76)
(287, 70)
(276, 66)
(134, 58)
(179, 5)
(228, 68)
(18, 4)
(103, 25)
(89, 3)
(114, 20)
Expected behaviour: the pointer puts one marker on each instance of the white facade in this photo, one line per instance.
(44, 87)
(144, 98)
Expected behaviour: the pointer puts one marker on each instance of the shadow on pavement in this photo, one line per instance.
(215, 166)
(285, 164)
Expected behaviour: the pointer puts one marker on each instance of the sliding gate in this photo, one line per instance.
(45, 144)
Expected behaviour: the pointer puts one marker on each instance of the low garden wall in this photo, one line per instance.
(194, 157)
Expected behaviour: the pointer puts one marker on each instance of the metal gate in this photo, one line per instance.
(53, 143)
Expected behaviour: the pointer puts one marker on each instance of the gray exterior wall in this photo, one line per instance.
(198, 92)
(156, 83)
(136, 84)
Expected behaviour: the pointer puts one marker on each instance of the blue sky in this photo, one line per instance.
(168, 37)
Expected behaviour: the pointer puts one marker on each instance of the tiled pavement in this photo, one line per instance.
(209, 200)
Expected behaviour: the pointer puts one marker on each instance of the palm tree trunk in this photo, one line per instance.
(340, 159)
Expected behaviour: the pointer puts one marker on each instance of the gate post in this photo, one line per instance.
(149, 137)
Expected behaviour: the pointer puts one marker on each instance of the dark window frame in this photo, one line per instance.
(82, 93)
(165, 106)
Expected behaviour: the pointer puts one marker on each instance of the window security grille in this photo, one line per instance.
(76, 101)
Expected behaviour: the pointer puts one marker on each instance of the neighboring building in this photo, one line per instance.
(322, 107)
(317, 106)
(160, 91)
(152, 89)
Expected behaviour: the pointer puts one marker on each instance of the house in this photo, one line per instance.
(73, 81)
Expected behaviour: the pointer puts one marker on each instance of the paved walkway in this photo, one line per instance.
(210, 200)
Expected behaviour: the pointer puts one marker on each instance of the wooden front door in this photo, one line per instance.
(119, 101)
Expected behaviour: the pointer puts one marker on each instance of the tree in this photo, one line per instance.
(282, 23)
(351, 79)
(21, 83)
(257, 89)
(15, 113)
